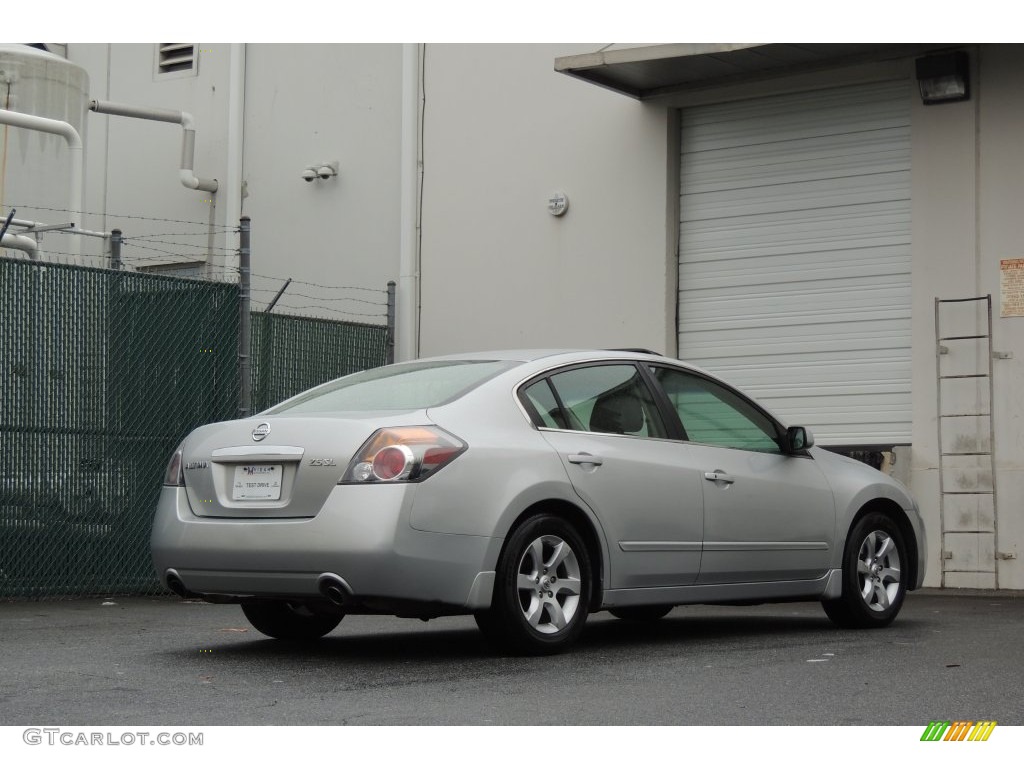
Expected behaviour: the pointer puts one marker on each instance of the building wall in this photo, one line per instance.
(502, 130)
(968, 190)
(132, 165)
(263, 113)
(313, 104)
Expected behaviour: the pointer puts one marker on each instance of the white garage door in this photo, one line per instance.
(794, 272)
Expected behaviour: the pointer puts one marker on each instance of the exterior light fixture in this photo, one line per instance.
(943, 77)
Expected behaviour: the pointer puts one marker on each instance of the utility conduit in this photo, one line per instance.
(188, 144)
(59, 128)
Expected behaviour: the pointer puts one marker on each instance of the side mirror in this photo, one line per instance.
(798, 439)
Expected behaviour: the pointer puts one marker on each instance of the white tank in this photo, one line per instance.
(35, 167)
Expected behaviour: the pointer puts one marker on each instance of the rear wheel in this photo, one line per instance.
(290, 621)
(874, 583)
(542, 589)
(641, 612)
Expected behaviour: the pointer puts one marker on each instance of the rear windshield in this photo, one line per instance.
(408, 386)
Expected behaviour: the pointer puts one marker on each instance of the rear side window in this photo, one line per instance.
(410, 386)
(612, 399)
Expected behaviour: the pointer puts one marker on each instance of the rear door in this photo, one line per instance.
(602, 420)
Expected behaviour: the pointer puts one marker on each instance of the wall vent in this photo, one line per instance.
(176, 58)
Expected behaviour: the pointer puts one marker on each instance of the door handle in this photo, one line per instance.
(585, 458)
(718, 476)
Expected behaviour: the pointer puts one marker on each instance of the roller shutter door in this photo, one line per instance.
(794, 272)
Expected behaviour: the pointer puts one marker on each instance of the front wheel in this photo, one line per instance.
(874, 584)
(542, 589)
(290, 621)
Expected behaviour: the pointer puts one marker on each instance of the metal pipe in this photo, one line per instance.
(244, 319)
(68, 229)
(115, 249)
(69, 134)
(230, 202)
(408, 260)
(21, 243)
(270, 306)
(186, 174)
(390, 353)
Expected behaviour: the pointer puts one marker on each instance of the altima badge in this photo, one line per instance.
(261, 431)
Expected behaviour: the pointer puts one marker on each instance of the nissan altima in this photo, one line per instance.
(529, 489)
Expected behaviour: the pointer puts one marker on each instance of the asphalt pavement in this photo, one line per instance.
(127, 660)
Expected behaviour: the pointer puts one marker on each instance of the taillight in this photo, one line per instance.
(174, 475)
(402, 455)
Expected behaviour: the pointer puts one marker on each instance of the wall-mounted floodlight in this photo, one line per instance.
(943, 77)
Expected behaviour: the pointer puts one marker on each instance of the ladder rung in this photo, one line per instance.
(962, 415)
(969, 453)
(961, 338)
(966, 376)
(958, 301)
(967, 493)
(990, 573)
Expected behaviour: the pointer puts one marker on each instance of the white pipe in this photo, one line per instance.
(407, 294)
(70, 135)
(22, 243)
(231, 210)
(67, 229)
(188, 143)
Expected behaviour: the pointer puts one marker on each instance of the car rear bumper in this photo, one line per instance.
(361, 536)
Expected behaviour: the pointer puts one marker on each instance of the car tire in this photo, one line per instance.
(874, 582)
(290, 621)
(641, 612)
(542, 589)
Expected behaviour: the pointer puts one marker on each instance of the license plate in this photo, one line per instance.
(257, 482)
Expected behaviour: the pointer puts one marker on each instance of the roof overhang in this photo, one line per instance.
(652, 71)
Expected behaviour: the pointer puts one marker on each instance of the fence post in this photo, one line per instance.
(389, 355)
(115, 249)
(244, 318)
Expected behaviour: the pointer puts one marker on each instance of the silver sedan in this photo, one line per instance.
(530, 489)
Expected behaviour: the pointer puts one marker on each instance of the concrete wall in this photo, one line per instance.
(503, 130)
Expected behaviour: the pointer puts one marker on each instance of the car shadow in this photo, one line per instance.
(603, 635)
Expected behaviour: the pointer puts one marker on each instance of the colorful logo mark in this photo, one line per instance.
(960, 730)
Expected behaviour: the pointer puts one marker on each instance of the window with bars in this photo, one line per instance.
(176, 58)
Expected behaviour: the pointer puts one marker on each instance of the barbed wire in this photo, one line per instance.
(123, 216)
(291, 295)
(285, 305)
(134, 241)
(317, 285)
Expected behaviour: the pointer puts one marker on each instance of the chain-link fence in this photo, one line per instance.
(102, 373)
(291, 354)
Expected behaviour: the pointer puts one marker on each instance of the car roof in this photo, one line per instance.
(561, 355)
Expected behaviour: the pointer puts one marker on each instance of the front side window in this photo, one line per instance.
(612, 399)
(716, 415)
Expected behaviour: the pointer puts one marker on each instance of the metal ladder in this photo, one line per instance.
(967, 504)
